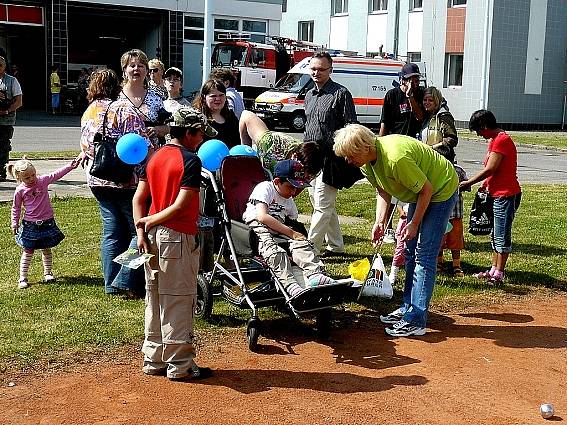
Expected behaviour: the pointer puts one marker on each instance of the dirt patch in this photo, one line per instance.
(494, 366)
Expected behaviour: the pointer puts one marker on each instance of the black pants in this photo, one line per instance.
(6, 133)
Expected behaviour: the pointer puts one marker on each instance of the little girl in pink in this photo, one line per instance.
(38, 229)
(399, 258)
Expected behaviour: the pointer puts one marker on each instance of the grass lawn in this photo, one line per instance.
(551, 139)
(73, 317)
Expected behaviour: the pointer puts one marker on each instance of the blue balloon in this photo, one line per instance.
(212, 152)
(132, 148)
(242, 150)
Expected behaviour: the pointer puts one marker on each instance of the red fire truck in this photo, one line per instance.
(258, 66)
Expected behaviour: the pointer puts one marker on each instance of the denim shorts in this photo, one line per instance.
(505, 208)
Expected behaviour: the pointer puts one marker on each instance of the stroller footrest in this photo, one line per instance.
(320, 297)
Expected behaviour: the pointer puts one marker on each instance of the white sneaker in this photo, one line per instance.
(23, 284)
(48, 278)
(403, 328)
(394, 317)
(319, 279)
(389, 236)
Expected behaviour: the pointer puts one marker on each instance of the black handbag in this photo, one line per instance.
(106, 163)
(482, 216)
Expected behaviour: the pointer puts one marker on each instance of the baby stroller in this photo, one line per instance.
(244, 279)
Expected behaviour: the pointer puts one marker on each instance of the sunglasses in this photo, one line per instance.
(154, 70)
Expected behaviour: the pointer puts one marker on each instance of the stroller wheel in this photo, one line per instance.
(204, 304)
(323, 323)
(252, 333)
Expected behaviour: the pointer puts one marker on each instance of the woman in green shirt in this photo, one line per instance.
(411, 171)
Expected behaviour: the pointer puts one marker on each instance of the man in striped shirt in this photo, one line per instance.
(328, 106)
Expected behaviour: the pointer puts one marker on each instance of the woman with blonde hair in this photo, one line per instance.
(147, 103)
(403, 167)
(156, 70)
(438, 129)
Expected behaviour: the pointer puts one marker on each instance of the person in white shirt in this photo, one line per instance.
(174, 86)
(10, 101)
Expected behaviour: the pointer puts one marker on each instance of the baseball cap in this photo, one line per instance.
(173, 71)
(292, 171)
(189, 117)
(409, 70)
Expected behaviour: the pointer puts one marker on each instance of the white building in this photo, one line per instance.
(509, 56)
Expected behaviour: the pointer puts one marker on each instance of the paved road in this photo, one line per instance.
(42, 132)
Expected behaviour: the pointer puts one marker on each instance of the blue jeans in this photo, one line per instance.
(504, 208)
(118, 234)
(421, 259)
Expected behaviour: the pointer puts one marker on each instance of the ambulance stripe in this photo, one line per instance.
(355, 62)
(387, 74)
(367, 101)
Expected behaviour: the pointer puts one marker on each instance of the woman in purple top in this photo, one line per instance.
(38, 229)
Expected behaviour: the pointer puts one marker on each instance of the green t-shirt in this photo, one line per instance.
(404, 164)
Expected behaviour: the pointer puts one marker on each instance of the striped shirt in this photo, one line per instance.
(327, 109)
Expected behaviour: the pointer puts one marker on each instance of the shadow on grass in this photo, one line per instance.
(249, 381)
(81, 280)
(523, 248)
(518, 282)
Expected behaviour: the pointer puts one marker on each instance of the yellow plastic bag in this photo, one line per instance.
(359, 269)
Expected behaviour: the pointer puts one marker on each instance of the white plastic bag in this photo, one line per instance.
(377, 283)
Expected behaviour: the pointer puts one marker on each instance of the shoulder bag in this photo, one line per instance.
(482, 217)
(106, 163)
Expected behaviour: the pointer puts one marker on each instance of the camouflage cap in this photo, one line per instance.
(191, 118)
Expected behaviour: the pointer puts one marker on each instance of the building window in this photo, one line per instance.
(254, 30)
(284, 6)
(414, 57)
(339, 6)
(453, 70)
(225, 28)
(305, 31)
(193, 28)
(453, 3)
(378, 5)
(416, 5)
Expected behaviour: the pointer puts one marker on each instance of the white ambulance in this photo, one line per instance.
(367, 79)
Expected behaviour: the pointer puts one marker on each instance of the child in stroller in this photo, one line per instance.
(268, 207)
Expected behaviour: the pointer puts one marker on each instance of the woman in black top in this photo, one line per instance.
(212, 102)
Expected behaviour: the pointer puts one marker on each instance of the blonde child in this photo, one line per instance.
(38, 229)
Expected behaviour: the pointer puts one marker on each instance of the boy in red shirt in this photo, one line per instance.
(168, 229)
(501, 182)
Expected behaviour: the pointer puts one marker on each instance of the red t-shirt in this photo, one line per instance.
(171, 169)
(504, 181)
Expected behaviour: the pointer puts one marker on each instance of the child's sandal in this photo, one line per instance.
(458, 272)
(483, 275)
